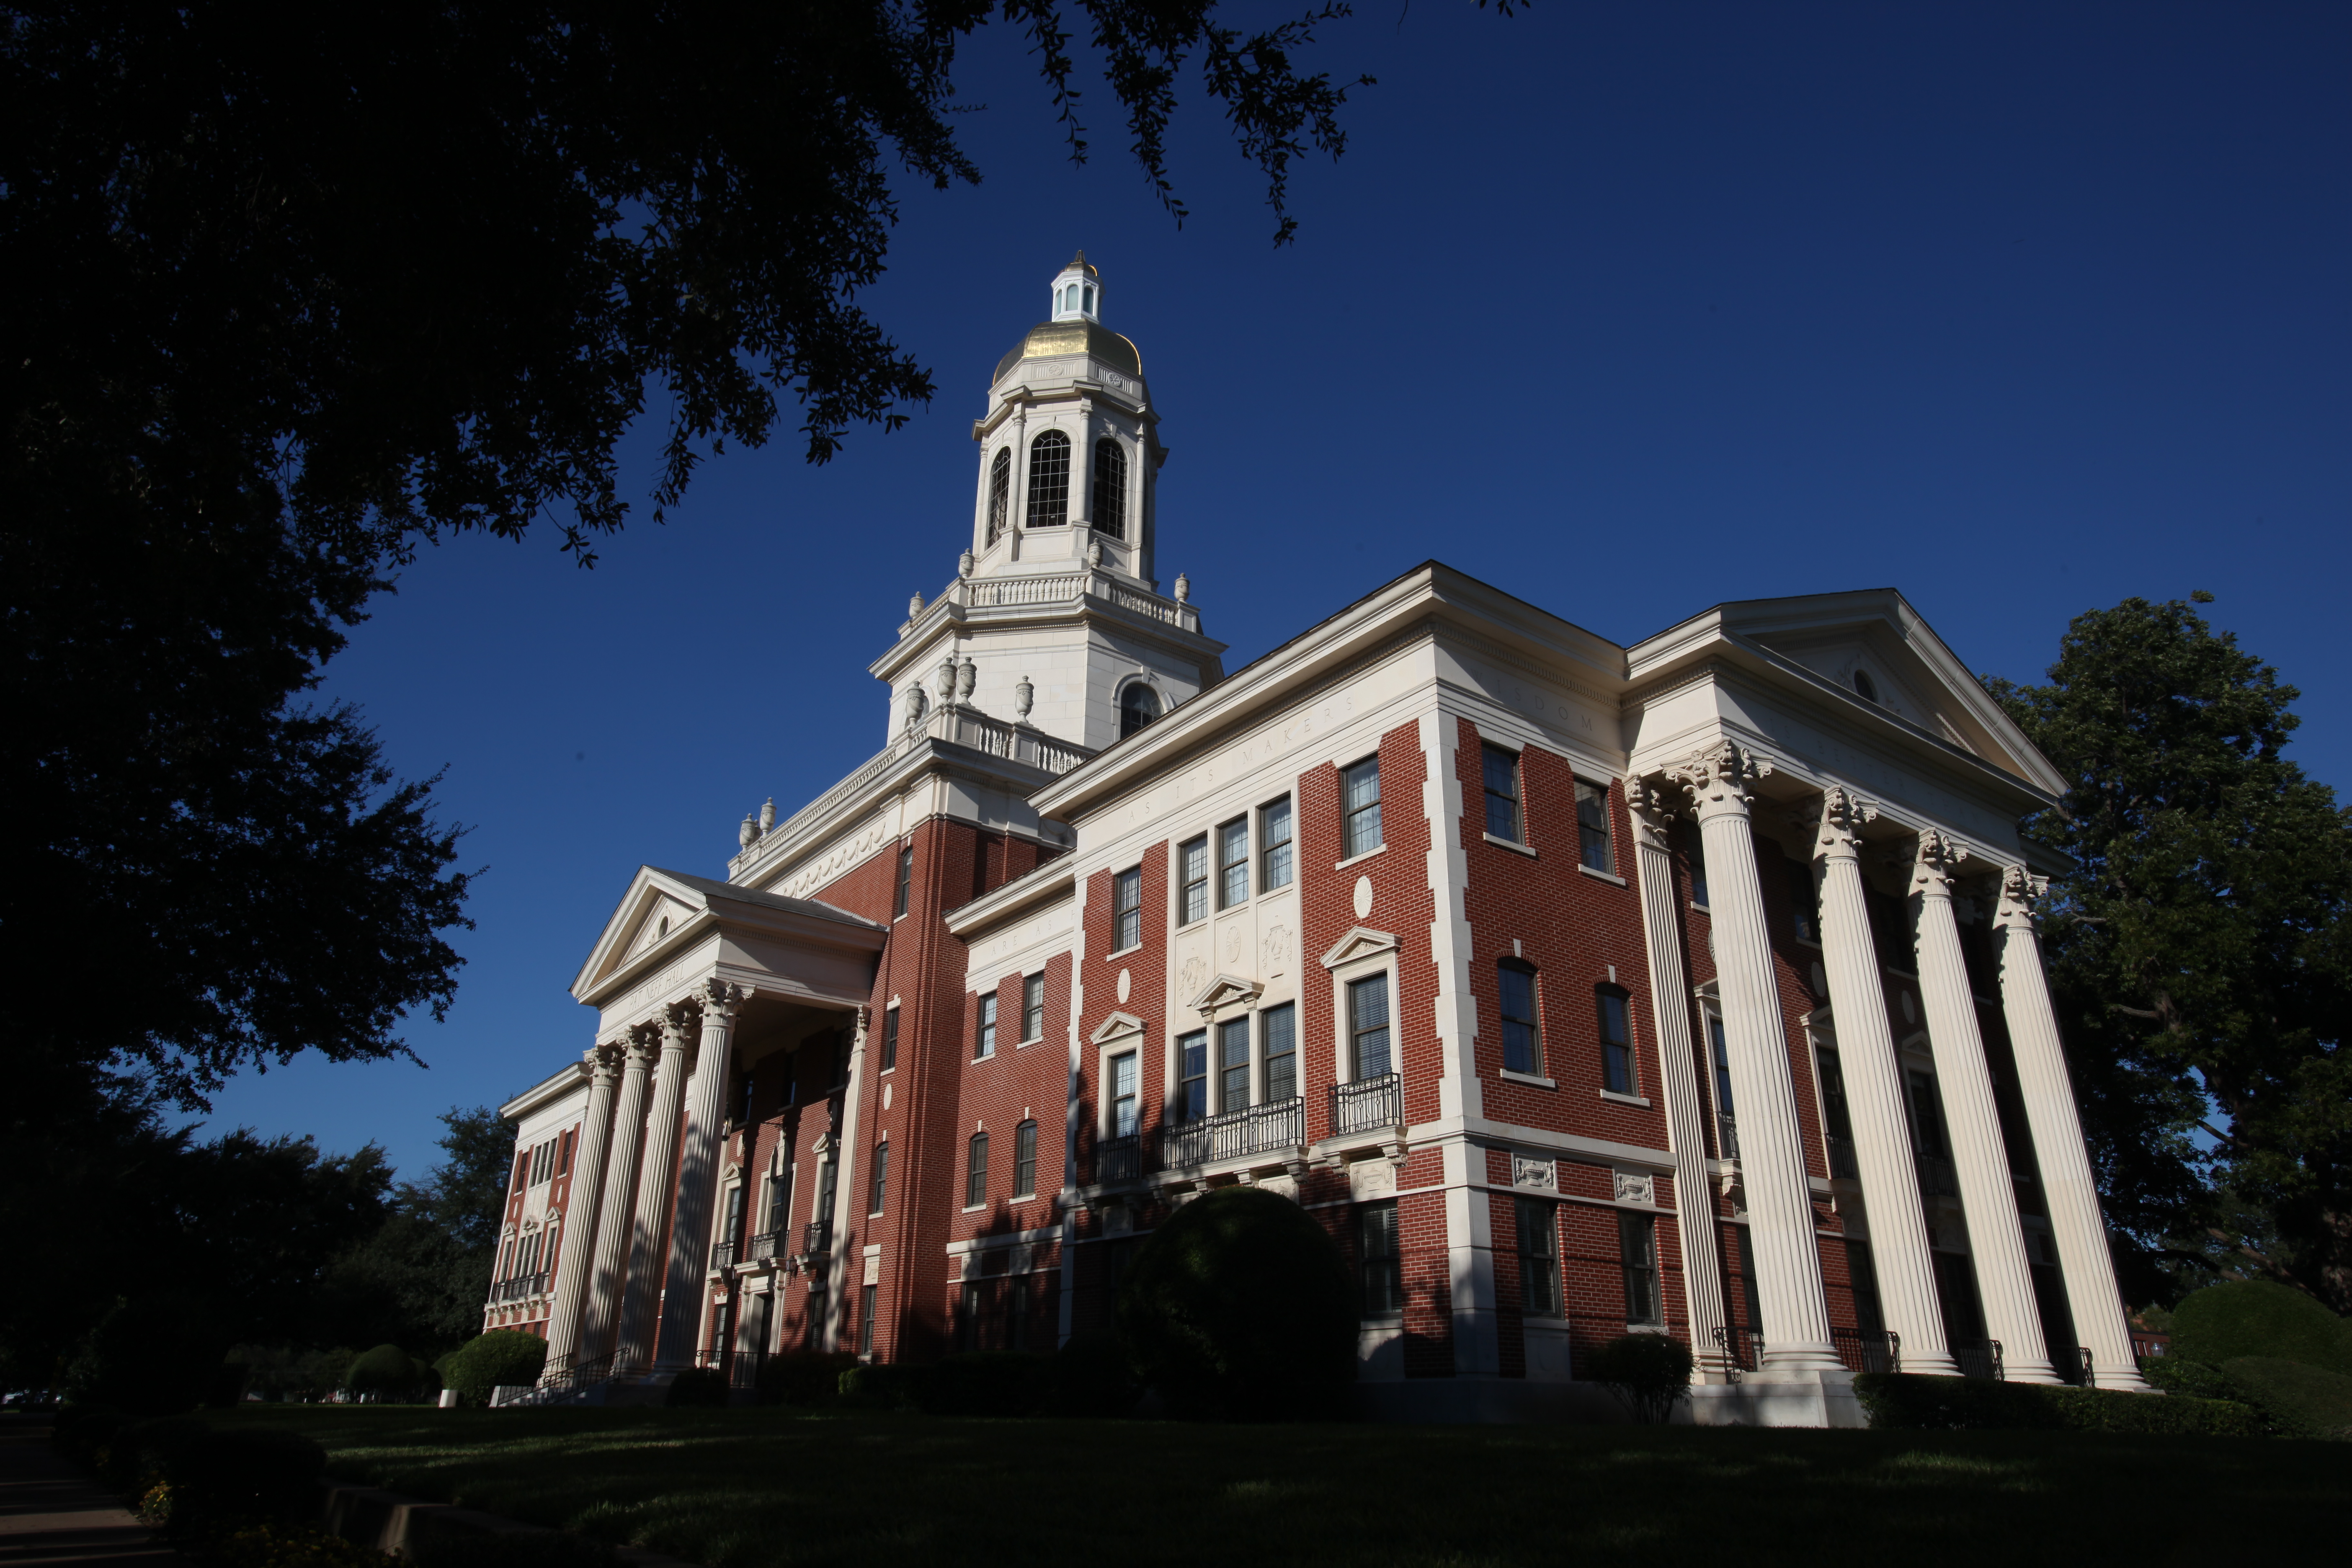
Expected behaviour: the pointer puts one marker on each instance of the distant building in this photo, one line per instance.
(1686, 988)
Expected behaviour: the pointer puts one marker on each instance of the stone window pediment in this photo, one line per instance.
(1357, 945)
(1114, 1026)
(1226, 991)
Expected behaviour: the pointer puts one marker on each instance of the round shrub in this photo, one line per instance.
(1241, 1306)
(500, 1358)
(1093, 1375)
(2256, 1318)
(1646, 1373)
(388, 1371)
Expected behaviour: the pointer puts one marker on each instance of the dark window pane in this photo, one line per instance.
(1539, 1258)
(1049, 481)
(1025, 1160)
(999, 492)
(1383, 1261)
(1368, 1019)
(1521, 1049)
(1593, 826)
(1192, 890)
(1616, 1042)
(1280, 1029)
(1360, 805)
(1233, 863)
(1503, 793)
(1637, 1248)
(1126, 903)
(890, 1039)
(1110, 489)
(1193, 1076)
(975, 1172)
(1274, 836)
(1803, 897)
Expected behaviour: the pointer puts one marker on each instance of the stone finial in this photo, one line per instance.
(967, 677)
(947, 679)
(1093, 555)
(964, 564)
(1183, 588)
(1025, 695)
(768, 818)
(749, 832)
(914, 605)
(918, 703)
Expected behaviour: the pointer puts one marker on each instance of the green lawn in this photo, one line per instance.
(753, 1488)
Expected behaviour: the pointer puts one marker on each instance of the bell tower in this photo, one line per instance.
(1055, 622)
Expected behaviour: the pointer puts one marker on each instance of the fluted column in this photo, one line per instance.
(698, 1178)
(576, 1263)
(2056, 1126)
(1987, 1193)
(616, 1210)
(845, 1191)
(1670, 1004)
(1874, 1087)
(1771, 1158)
(641, 1302)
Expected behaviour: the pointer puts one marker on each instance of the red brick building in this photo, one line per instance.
(1685, 988)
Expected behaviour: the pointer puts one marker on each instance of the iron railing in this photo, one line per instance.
(1119, 1159)
(764, 1247)
(722, 1254)
(817, 1237)
(519, 1286)
(1235, 1134)
(1740, 1349)
(1937, 1178)
(1368, 1104)
(2072, 1364)
(1841, 1159)
(1881, 1351)
(1726, 1138)
(1979, 1358)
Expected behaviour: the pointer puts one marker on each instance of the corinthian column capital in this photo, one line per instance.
(677, 1021)
(721, 1000)
(1843, 816)
(644, 1043)
(1652, 807)
(1936, 863)
(604, 1063)
(1721, 778)
(2021, 893)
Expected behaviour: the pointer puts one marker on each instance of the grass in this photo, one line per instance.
(762, 1489)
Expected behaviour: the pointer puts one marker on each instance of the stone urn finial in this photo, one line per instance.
(768, 818)
(964, 564)
(745, 835)
(914, 605)
(1025, 695)
(1094, 555)
(918, 703)
(1183, 588)
(967, 677)
(947, 678)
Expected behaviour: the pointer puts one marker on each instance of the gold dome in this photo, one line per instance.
(1048, 339)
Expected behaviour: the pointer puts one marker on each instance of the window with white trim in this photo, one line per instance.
(1033, 1006)
(1274, 848)
(1192, 881)
(1502, 778)
(1592, 828)
(1127, 910)
(1360, 807)
(1367, 1026)
(1522, 1038)
(1233, 863)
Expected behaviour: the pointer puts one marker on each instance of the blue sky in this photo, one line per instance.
(1627, 308)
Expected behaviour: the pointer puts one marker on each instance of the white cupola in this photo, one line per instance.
(1077, 292)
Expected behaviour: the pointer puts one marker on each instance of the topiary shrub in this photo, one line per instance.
(2312, 1398)
(2191, 1379)
(698, 1387)
(879, 1387)
(802, 1377)
(984, 1382)
(501, 1358)
(1649, 1375)
(1239, 1305)
(1908, 1401)
(1093, 1376)
(389, 1373)
(2256, 1318)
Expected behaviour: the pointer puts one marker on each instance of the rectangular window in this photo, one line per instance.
(731, 1227)
(1695, 851)
(828, 1175)
(1025, 1161)
(1593, 826)
(881, 1179)
(780, 1200)
(1637, 1252)
(1193, 1076)
(906, 880)
(1804, 906)
(1032, 1007)
(1381, 1260)
(1127, 910)
(890, 1039)
(1367, 1026)
(1616, 1041)
(1522, 1046)
(1016, 1312)
(1722, 1052)
(1503, 793)
(1278, 1028)
(1360, 807)
(563, 1153)
(985, 1046)
(1233, 1065)
(1125, 1111)
(1192, 882)
(865, 1319)
(975, 1172)
(1539, 1258)
(1273, 856)
(1233, 863)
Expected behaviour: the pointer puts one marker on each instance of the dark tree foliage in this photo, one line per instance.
(2201, 955)
(420, 1277)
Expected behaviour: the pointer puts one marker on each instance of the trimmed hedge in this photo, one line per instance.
(698, 1387)
(802, 1377)
(1902, 1400)
(2311, 1398)
(391, 1373)
(2256, 1318)
(501, 1358)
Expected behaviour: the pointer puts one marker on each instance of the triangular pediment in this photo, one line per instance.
(662, 909)
(1360, 944)
(1225, 991)
(1112, 1027)
(661, 915)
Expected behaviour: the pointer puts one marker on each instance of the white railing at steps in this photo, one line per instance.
(991, 593)
(958, 726)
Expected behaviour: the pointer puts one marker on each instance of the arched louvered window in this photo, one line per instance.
(1049, 481)
(999, 493)
(1110, 489)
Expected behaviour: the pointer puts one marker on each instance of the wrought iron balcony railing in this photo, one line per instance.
(1979, 1358)
(722, 1254)
(763, 1248)
(1118, 1158)
(1368, 1104)
(1937, 1178)
(816, 1237)
(1726, 1138)
(2073, 1365)
(1841, 1159)
(1879, 1352)
(516, 1286)
(1251, 1131)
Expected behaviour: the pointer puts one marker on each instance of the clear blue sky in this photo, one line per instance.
(1628, 308)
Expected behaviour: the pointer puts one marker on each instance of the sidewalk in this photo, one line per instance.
(52, 1513)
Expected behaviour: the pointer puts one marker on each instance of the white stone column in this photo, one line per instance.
(641, 1301)
(1780, 1230)
(1670, 1004)
(576, 1262)
(1988, 1194)
(846, 1195)
(684, 1298)
(2056, 1126)
(1874, 1087)
(616, 1210)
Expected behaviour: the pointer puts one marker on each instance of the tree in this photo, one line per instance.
(293, 292)
(420, 1277)
(2201, 954)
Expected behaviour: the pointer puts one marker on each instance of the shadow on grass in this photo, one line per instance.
(762, 1489)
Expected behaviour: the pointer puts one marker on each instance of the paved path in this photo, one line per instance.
(51, 1513)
